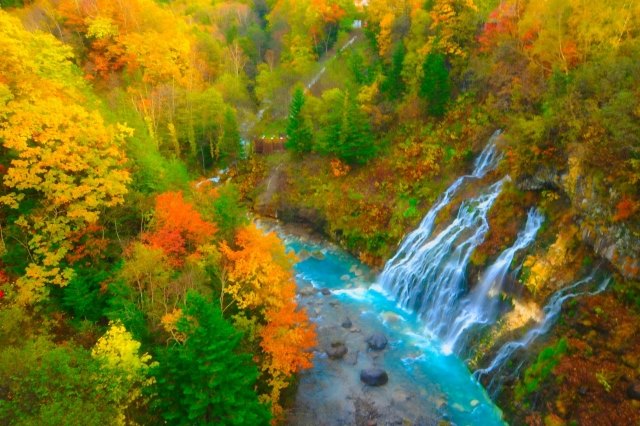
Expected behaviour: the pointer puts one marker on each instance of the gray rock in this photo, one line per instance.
(374, 376)
(307, 291)
(347, 323)
(377, 341)
(325, 291)
(303, 255)
(337, 350)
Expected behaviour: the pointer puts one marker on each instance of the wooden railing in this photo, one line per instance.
(269, 145)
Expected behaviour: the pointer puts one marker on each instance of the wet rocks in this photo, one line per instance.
(377, 341)
(337, 350)
(347, 323)
(303, 255)
(325, 292)
(374, 376)
(318, 255)
(307, 291)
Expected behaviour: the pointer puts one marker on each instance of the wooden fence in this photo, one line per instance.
(269, 145)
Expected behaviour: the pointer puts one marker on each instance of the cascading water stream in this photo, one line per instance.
(427, 275)
(486, 161)
(481, 306)
(432, 279)
(551, 312)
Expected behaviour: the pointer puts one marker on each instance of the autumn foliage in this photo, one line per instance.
(178, 229)
(259, 280)
(501, 23)
(63, 164)
(626, 209)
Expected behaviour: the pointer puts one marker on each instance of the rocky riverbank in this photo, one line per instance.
(373, 364)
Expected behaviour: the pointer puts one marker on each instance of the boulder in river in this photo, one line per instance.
(347, 323)
(325, 291)
(307, 291)
(374, 376)
(337, 350)
(303, 255)
(377, 341)
(318, 255)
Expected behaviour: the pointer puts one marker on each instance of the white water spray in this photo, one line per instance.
(551, 312)
(427, 274)
(486, 161)
(481, 306)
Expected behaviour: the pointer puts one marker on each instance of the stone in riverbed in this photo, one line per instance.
(377, 341)
(374, 376)
(458, 407)
(307, 291)
(337, 350)
(325, 291)
(303, 255)
(318, 255)
(347, 323)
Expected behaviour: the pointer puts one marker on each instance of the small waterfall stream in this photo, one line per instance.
(485, 162)
(427, 275)
(551, 312)
(431, 278)
(480, 307)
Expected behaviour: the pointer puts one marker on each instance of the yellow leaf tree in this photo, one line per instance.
(124, 368)
(59, 156)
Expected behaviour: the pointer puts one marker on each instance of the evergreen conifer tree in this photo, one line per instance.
(299, 136)
(435, 86)
(348, 134)
(205, 380)
(393, 84)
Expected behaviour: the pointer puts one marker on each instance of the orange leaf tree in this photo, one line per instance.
(178, 228)
(259, 279)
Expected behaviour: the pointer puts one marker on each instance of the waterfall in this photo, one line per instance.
(481, 306)
(551, 312)
(486, 161)
(427, 275)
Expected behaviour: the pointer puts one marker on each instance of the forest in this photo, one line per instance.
(199, 197)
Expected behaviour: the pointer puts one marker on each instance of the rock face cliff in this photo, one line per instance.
(273, 202)
(594, 205)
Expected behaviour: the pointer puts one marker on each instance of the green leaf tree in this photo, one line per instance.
(230, 146)
(45, 384)
(204, 380)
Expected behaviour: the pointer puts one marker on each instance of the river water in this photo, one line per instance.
(425, 385)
